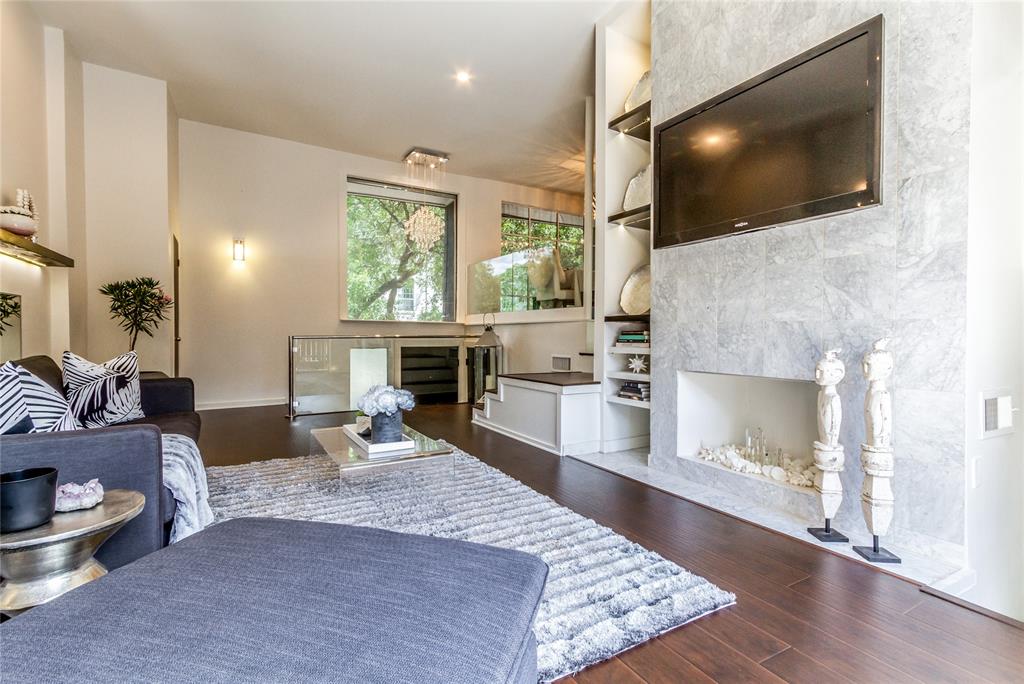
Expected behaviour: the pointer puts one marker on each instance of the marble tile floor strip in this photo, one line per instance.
(633, 464)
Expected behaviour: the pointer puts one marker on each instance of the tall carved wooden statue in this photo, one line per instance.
(828, 452)
(876, 455)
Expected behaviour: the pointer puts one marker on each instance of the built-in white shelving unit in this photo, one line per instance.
(629, 375)
(622, 239)
(629, 350)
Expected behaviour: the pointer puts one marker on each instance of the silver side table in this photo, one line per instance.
(42, 563)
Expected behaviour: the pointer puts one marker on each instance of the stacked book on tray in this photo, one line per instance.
(634, 389)
(633, 338)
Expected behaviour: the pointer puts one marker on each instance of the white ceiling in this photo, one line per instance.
(372, 78)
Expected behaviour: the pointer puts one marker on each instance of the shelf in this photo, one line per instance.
(23, 248)
(627, 375)
(635, 403)
(634, 218)
(629, 350)
(627, 318)
(635, 123)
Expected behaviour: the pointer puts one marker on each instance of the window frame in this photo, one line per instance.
(449, 201)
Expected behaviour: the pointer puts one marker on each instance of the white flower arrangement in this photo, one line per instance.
(385, 399)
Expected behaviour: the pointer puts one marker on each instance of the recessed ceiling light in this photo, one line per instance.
(462, 76)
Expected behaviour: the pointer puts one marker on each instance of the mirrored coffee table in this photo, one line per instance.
(351, 459)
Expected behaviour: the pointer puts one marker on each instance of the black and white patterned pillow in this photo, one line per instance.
(14, 417)
(49, 410)
(103, 394)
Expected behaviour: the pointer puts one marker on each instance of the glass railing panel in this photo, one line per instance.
(328, 374)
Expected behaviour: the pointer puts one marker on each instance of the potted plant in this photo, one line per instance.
(384, 404)
(139, 305)
(10, 308)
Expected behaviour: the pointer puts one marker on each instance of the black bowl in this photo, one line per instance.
(27, 498)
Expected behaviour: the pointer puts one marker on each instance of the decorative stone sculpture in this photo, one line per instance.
(637, 364)
(876, 455)
(828, 452)
(76, 497)
(638, 191)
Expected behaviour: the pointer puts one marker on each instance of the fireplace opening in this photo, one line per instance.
(756, 426)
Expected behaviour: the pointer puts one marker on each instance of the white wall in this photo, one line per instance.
(528, 348)
(127, 207)
(285, 199)
(23, 159)
(995, 296)
(41, 151)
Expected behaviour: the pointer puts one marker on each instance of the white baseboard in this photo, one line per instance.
(624, 443)
(550, 448)
(580, 448)
(241, 403)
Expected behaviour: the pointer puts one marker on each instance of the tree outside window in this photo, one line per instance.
(390, 277)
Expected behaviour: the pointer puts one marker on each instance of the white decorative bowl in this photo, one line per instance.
(22, 225)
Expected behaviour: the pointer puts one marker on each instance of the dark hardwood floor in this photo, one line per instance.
(802, 614)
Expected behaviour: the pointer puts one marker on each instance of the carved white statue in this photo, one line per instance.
(876, 454)
(828, 373)
(828, 452)
(878, 401)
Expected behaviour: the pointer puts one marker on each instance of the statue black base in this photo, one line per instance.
(827, 534)
(876, 554)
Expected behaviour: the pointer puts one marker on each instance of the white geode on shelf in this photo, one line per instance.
(638, 191)
(640, 93)
(77, 497)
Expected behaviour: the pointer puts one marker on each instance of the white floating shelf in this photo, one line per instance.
(635, 403)
(629, 350)
(626, 375)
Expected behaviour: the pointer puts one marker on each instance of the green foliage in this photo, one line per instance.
(10, 307)
(138, 305)
(518, 234)
(382, 261)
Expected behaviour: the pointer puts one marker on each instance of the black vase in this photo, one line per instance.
(385, 428)
(27, 498)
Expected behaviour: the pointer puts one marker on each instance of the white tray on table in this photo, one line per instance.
(378, 450)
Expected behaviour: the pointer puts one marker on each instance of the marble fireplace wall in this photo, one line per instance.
(769, 302)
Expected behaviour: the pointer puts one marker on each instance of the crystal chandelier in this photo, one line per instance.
(424, 228)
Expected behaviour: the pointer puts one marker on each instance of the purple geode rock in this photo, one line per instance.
(76, 497)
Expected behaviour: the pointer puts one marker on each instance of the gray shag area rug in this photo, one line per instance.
(604, 593)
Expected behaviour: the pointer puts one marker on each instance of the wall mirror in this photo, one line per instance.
(10, 326)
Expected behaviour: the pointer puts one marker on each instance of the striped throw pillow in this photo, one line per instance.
(49, 410)
(14, 418)
(103, 394)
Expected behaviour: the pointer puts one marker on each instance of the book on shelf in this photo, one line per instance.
(638, 345)
(635, 389)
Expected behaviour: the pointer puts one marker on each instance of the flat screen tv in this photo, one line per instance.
(800, 140)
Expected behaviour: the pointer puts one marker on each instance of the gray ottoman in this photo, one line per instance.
(264, 600)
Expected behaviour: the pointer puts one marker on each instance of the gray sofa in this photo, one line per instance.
(126, 456)
(265, 600)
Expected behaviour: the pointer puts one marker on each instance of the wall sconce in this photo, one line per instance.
(238, 250)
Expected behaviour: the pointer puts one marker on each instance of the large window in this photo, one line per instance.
(401, 253)
(525, 228)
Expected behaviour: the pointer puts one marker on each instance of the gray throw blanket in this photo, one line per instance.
(185, 476)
